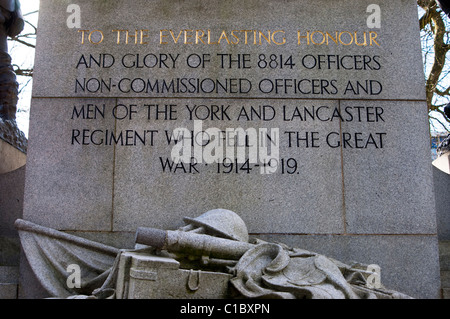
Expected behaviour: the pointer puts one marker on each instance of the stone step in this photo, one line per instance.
(445, 279)
(444, 255)
(444, 246)
(444, 262)
(9, 274)
(8, 291)
(9, 280)
(446, 293)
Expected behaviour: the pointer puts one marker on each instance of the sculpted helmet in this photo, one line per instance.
(220, 222)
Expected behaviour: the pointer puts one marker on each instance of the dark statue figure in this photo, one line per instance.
(11, 24)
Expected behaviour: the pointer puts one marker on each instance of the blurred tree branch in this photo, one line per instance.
(27, 39)
(435, 45)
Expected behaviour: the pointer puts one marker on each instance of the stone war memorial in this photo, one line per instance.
(228, 149)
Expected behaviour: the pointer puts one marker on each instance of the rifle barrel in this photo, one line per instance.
(192, 244)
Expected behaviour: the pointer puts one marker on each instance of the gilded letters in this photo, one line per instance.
(346, 38)
(234, 37)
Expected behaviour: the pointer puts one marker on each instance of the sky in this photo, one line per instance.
(23, 56)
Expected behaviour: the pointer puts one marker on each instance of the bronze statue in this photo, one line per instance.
(11, 24)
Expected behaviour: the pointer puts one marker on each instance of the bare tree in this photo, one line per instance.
(435, 30)
(27, 39)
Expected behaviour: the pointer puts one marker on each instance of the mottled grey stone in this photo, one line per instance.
(397, 38)
(446, 293)
(69, 186)
(9, 275)
(444, 254)
(373, 204)
(310, 200)
(445, 278)
(121, 240)
(441, 190)
(30, 288)
(11, 201)
(153, 277)
(8, 291)
(9, 251)
(389, 189)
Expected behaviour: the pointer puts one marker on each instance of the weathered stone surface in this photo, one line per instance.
(11, 200)
(373, 180)
(309, 199)
(317, 162)
(69, 188)
(8, 291)
(353, 167)
(9, 275)
(441, 186)
(379, 58)
(12, 158)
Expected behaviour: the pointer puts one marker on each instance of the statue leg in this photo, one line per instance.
(8, 88)
(8, 85)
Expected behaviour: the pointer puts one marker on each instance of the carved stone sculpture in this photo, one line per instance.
(217, 247)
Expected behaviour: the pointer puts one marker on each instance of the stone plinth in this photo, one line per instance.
(335, 100)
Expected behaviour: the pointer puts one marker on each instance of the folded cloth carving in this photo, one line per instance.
(257, 270)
